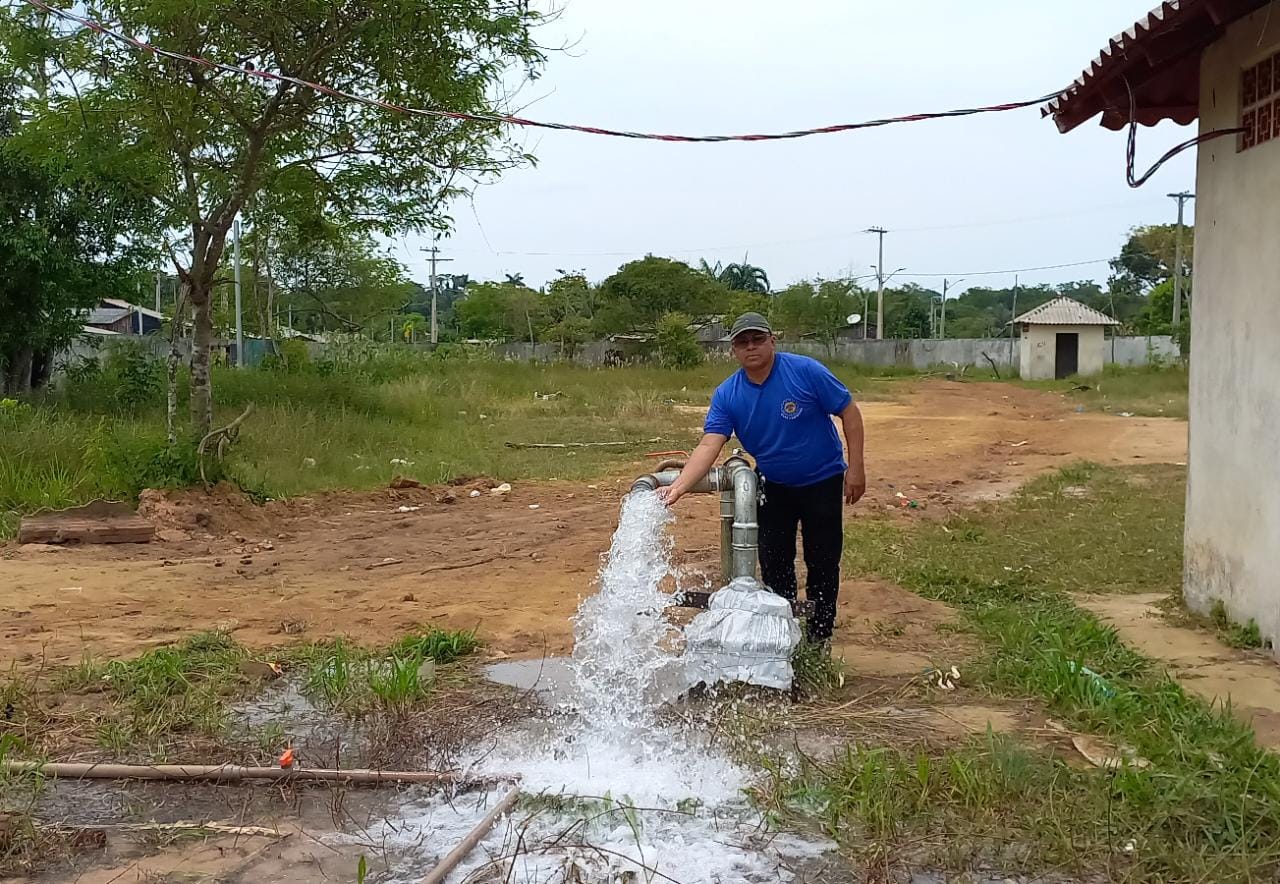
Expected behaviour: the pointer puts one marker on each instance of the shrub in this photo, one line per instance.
(676, 343)
(136, 377)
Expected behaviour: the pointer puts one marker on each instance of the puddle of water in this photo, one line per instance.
(550, 677)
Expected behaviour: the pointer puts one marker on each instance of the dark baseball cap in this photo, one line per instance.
(750, 322)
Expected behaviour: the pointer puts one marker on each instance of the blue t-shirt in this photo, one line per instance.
(785, 423)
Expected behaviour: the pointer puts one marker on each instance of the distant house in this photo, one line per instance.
(1063, 338)
(1217, 61)
(123, 318)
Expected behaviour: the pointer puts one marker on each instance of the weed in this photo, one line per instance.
(169, 691)
(816, 672)
(1237, 635)
(396, 682)
(441, 645)
(333, 674)
(317, 430)
(1208, 808)
(1148, 391)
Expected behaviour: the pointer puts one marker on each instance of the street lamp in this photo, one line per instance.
(879, 301)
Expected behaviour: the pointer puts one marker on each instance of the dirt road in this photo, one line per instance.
(355, 564)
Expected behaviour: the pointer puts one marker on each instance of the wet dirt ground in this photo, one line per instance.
(372, 564)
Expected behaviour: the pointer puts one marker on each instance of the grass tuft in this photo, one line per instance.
(1207, 808)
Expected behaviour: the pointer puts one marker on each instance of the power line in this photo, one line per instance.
(623, 253)
(135, 43)
(1015, 270)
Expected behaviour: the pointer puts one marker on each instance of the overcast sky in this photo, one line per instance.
(984, 193)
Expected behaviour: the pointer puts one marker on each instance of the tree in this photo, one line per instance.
(482, 312)
(204, 142)
(570, 295)
(500, 311)
(340, 280)
(570, 333)
(63, 245)
(653, 287)
(792, 310)
(741, 277)
(676, 343)
(746, 302)
(1149, 256)
(833, 303)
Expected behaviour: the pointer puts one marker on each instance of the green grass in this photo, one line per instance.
(1156, 391)
(357, 681)
(343, 428)
(1237, 635)
(170, 694)
(1208, 807)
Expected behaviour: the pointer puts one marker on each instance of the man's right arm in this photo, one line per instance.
(699, 464)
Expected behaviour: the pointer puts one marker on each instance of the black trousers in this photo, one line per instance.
(818, 510)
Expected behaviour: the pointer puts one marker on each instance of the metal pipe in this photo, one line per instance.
(726, 535)
(739, 491)
(654, 481)
(746, 529)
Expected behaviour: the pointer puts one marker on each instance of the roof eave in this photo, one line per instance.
(1154, 65)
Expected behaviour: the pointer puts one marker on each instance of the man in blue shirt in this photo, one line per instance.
(781, 405)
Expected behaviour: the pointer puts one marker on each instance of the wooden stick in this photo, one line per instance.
(468, 844)
(568, 444)
(231, 773)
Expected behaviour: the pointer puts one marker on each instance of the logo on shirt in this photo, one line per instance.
(790, 409)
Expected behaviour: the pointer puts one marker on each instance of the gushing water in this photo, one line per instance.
(617, 631)
(637, 799)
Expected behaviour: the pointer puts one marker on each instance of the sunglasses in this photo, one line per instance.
(750, 340)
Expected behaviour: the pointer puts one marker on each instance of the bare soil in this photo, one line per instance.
(1249, 680)
(370, 565)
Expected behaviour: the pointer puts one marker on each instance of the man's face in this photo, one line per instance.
(753, 349)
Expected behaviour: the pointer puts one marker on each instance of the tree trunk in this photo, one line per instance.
(175, 356)
(201, 339)
(41, 369)
(19, 371)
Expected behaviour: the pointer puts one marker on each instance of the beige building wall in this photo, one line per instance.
(1039, 350)
(1233, 499)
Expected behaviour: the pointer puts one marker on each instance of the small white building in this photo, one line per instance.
(1217, 61)
(1063, 338)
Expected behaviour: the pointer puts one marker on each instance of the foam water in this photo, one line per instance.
(636, 798)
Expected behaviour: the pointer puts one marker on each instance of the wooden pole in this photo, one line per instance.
(231, 773)
(468, 844)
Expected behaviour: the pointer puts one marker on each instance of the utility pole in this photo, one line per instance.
(434, 251)
(157, 290)
(239, 316)
(942, 325)
(879, 231)
(1177, 268)
(1015, 309)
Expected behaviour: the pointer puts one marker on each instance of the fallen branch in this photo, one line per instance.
(458, 566)
(468, 844)
(523, 445)
(994, 367)
(233, 773)
(225, 436)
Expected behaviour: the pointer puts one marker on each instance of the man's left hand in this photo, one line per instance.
(855, 484)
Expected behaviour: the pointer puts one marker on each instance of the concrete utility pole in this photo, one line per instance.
(879, 231)
(434, 251)
(239, 315)
(1012, 324)
(1177, 269)
(157, 290)
(946, 285)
